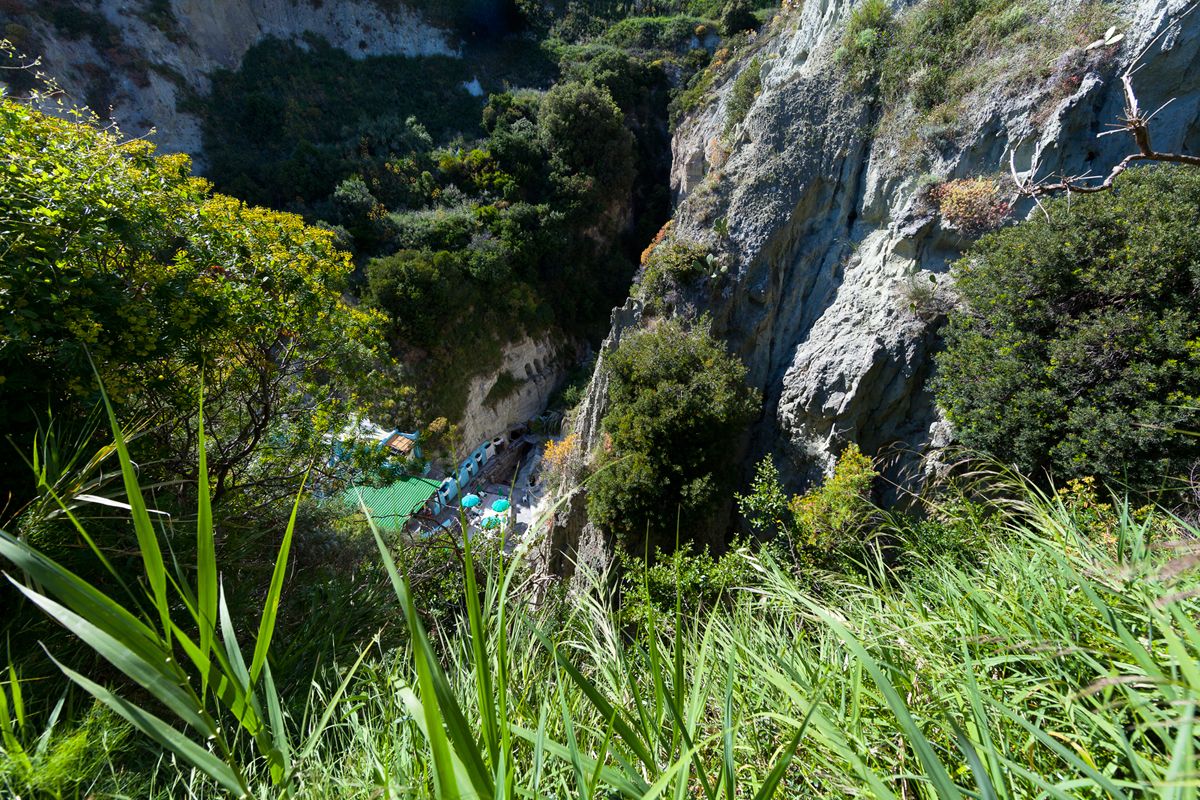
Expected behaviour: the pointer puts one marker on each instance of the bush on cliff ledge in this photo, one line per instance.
(677, 404)
(1078, 350)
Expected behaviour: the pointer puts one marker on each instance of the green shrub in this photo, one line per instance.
(945, 48)
(868, 34)
(504, 387)
(677, 406)
(698, 580)
(1078, 349)
(695, 93)
(931, 43)
(573, 389)
(653, 33)
(766, 507)
(584, 132)
(826, 527)
(737, 16)
(414, 288)
(741, 96)
(671, 264)
(936, 52)
(629, 79)
(972, 205)
(954, 528)
(125, 260)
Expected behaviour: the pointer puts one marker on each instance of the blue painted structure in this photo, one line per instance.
(464, 473)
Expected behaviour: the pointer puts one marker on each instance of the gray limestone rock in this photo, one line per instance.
(210, 36)
(829, 224)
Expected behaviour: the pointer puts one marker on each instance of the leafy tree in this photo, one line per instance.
(359, 211)
(115, 256)
(826, 527)
(677, 405)
(626, 78)
(737, 16)
(830, 522)
(413, 287)
(1078, 349)
(590, 148)
(766, 506)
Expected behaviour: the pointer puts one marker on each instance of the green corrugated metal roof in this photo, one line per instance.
(392, 505)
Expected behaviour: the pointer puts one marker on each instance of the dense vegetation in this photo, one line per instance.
(1054, 656)
(467, 273)
(474, 219)
(999, 637)
(1077, 350)
(677, 406)
(486, 218)
(119, 265)
(293, 121)
(925, 64)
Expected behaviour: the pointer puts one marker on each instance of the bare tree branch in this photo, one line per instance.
(1134, 122)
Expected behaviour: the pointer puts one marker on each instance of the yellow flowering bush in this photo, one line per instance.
(118, 257)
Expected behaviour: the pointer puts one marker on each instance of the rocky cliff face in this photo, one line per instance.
(530, 370)
(141, 57)
(818, 201)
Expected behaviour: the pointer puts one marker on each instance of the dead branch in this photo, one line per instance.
(1134, 122)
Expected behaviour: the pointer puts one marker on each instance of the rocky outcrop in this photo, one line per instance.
(529, 372)
(817, 202)
(573, 549)
(148, 60)
(595, 404)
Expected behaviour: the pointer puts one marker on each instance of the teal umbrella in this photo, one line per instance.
(470, 501)
(501, 505)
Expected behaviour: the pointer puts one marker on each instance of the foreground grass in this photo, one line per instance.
(1058, 660)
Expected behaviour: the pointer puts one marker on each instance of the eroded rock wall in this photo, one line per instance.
(816, 202)
(148, 66)
(536, 368)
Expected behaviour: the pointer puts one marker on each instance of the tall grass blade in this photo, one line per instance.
(314, 737)
(13, 748)
(266, 626)
(602, 705)
(934, 769)
(155, 676)
(539, 752)
(164, 734)
(729, 768)
(629, 785)
(435, 693)
(147, 538)
(1181, 778)
(982, 779)
(281, 757)
(1065, 753)
(482, 663)
(572, 748)
(206, 554)
(600, 756)
(775, 776)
